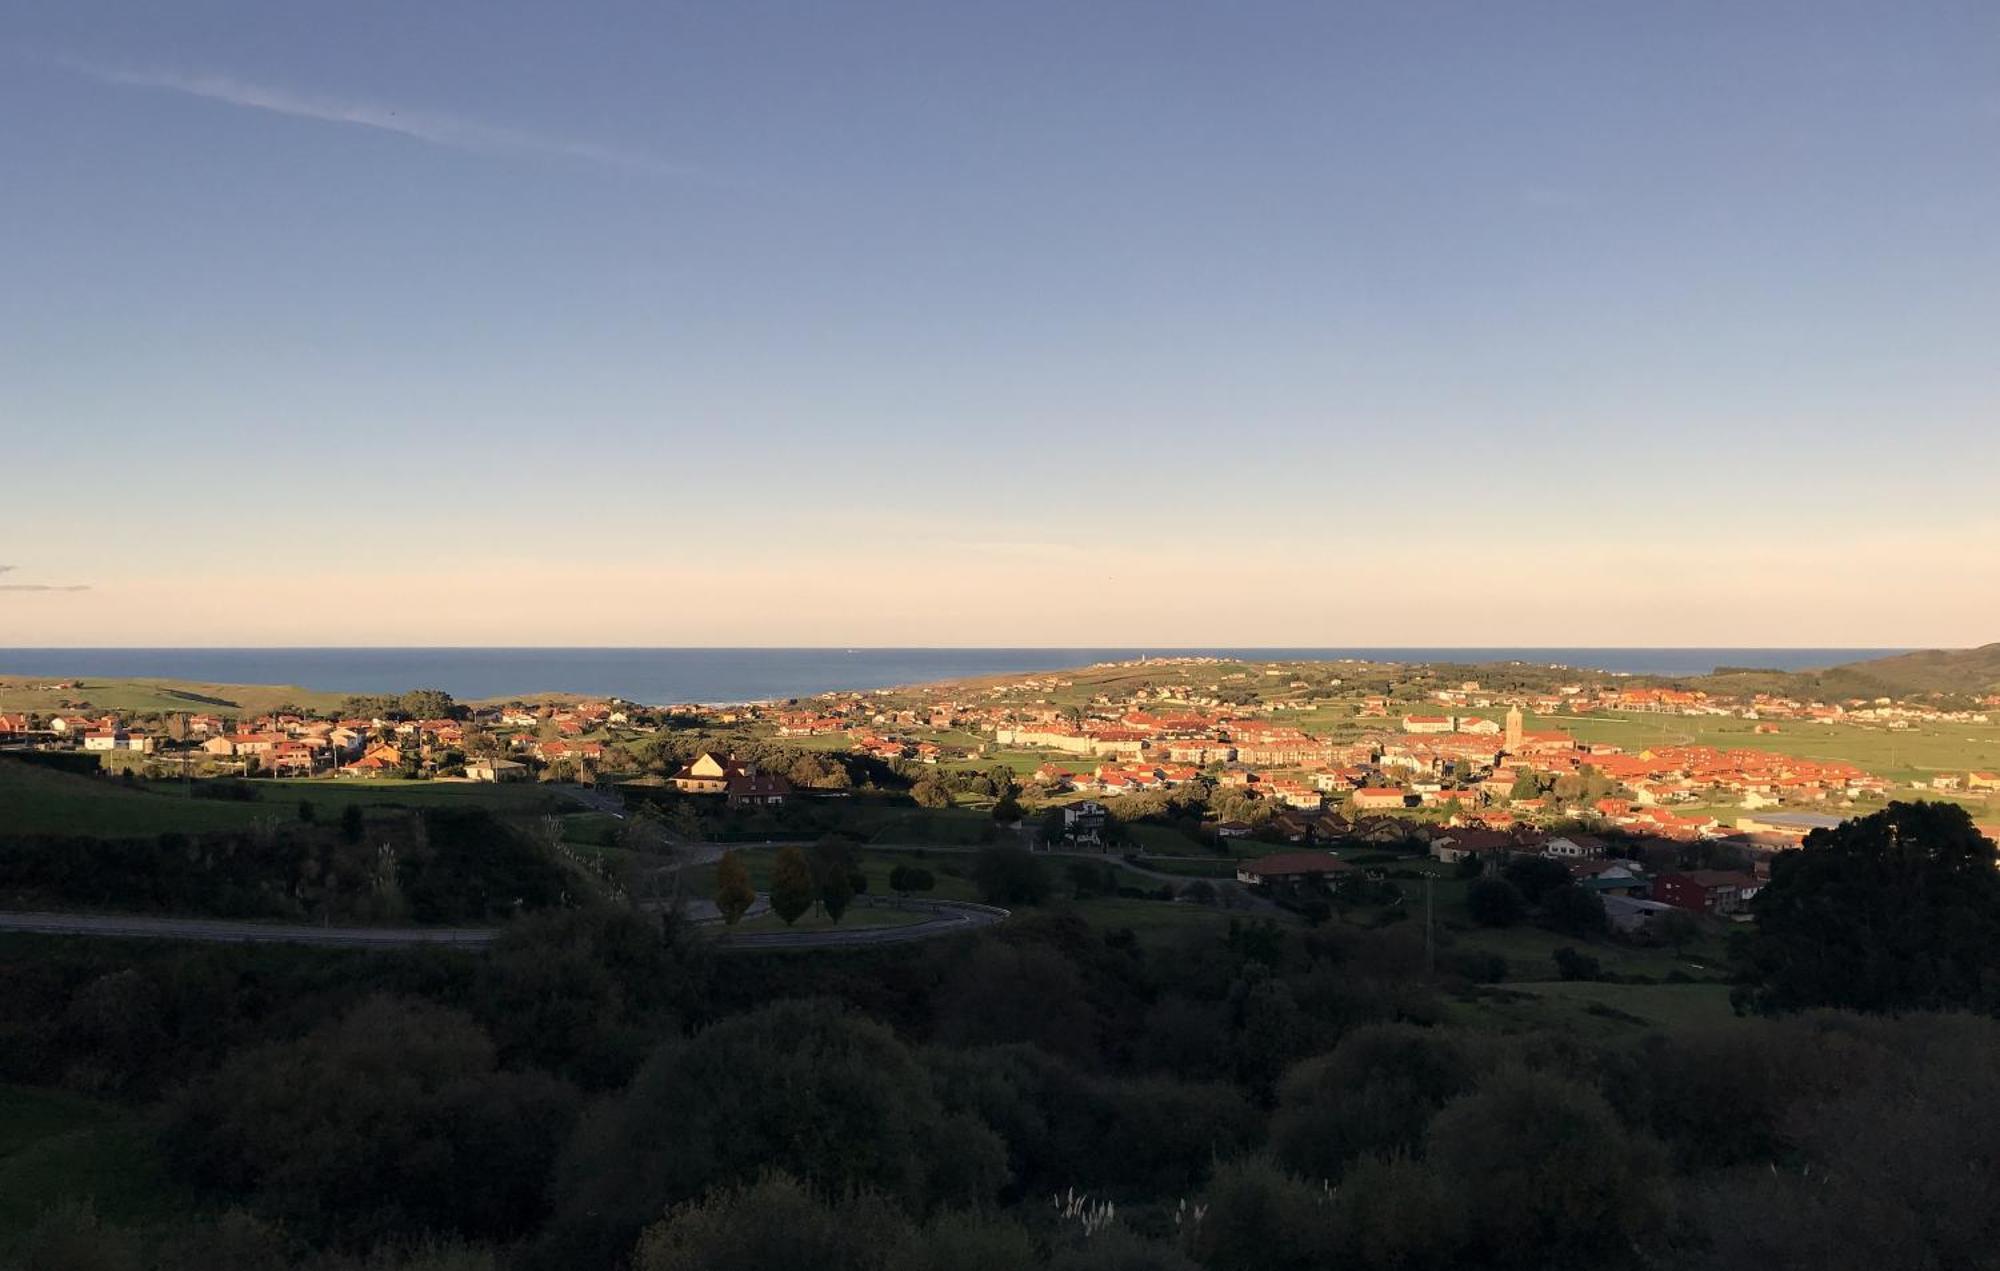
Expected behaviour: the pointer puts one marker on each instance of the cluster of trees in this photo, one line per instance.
(440, 865)
(418, 703)
(598, 1091)
(1537, 886)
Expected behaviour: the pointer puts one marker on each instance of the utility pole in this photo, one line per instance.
(1430, 956)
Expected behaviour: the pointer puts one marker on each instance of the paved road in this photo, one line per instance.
(218, 931)
(948, 918)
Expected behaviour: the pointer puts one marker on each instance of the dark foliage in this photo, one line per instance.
(1895, 911)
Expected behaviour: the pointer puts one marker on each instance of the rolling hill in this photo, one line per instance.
(1956, 671)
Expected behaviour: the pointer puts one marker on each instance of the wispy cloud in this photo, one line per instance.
(8, 569)
(438, 129)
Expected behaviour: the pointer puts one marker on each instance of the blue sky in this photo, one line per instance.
(1154, 323)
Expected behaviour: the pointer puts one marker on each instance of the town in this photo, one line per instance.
(1651, 795)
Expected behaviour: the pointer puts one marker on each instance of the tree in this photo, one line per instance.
(1495, 902)
(1895, 911)
(792, 889)
(1549, 1174)
(393, 1120)
(1375, 1093)
(804, 1088)
(904, 879)
(734, 893)
(1571, 965)
(1575, 911)
(1259, 1218)
(835, 862)
(836, 892)
(427, 703)
(1536, 876)
(931, 792)
(1676, 928)
(1007, 810)
(1010, 876)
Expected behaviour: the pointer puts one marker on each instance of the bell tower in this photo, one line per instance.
(1513, 730)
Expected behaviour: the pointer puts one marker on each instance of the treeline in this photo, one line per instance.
(439, 865)
(419, 703)
(596, 1096)
(597, 1091)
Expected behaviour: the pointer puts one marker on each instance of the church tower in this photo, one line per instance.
(1513, 730)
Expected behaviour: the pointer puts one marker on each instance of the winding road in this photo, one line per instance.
(947, 918)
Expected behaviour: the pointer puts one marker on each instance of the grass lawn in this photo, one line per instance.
(36, 800)
(1219, 868)
(57, 1147)
(946, 827)
(1164, 840)
(950, 869)
(145, 696)
(1901, 754)
(332, 794)
(1530, 951)
(856, 916)
(1154, 920)
(1663, 1005)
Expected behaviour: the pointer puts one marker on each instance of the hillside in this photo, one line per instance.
(1967, 671)
(145, 696)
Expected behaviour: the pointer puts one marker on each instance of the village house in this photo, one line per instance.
(1083, 822)
(1573, 847)
(380, 760)
(1470, 843)
(495, 770)
(106, 739)
(1380, 799)
(707, 775)
(1427, 724)
(754, 787)
(1610, 877)
(1292, 867)
(1707, 891)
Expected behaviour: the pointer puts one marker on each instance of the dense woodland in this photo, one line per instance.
(602, 1091)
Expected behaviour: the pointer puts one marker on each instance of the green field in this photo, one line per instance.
(37, 800)
(1664, 1005)
(813, 920)
(1151, 920)
(1530, 952)
(950, 870)
(1595, 1009)
(149, 696)
(330, 795)
(1901, 755)
(57, 1148)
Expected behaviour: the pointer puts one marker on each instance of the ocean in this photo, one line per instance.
(662, 676)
